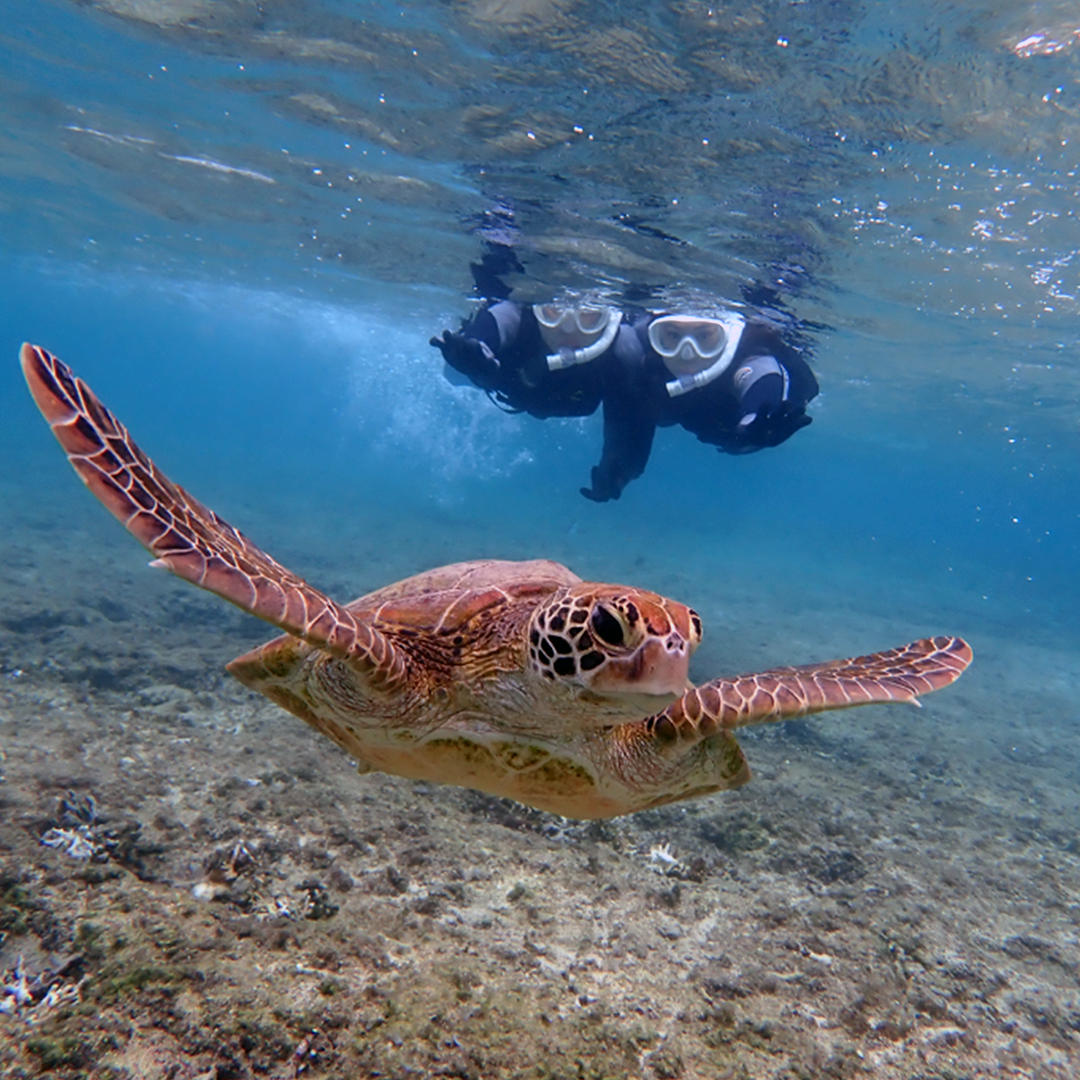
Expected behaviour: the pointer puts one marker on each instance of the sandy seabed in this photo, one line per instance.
(193, 884)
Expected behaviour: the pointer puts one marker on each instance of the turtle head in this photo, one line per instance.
(625, 649)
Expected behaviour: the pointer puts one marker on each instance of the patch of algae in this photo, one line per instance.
(195, 976)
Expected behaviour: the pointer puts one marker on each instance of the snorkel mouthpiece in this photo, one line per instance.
(567, 357)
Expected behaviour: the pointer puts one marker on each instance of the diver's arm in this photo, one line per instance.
(474, 351)
(628, 439)
(772, 402)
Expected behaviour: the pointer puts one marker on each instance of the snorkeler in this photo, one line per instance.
(731, 381)
(534, 359)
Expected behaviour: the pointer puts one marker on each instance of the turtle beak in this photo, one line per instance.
(657, 670)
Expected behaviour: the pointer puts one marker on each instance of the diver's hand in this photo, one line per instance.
(471, 357)
(603, 488)
(771, 426)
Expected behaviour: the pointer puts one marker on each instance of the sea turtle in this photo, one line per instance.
(514, 678)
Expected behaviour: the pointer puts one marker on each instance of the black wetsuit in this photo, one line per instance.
(501, 351)
(636, 403)
(513, 367)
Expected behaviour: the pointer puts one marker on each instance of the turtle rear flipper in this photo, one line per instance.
(187, 538)
(902, 674)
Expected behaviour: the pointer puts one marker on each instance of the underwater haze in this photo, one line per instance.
(241, 223)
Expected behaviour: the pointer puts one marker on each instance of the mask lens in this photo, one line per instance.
(666, 337)
(709, 338)
(706, 336)
(590, 320)
(548, 314)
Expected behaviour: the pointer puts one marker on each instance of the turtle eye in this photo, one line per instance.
(606, 626)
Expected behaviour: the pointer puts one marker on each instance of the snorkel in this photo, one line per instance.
(733, 325)
(568, 321)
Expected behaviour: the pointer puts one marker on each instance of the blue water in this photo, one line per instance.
(242, 224)
(339, 407)
(242, 230)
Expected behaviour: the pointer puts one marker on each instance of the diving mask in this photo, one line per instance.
(577, 335)
(695, 349)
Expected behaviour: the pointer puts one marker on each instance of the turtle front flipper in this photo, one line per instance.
(902, 674)
(688, 750)
(186, 537)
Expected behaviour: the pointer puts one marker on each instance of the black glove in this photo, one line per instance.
(603, 488)
(471, 357)
(771, 426)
